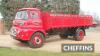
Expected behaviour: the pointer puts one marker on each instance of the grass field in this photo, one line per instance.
(13, 52)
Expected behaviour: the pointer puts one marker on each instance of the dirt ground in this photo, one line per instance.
(53, 44)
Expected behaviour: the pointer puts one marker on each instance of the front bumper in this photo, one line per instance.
(21, 34)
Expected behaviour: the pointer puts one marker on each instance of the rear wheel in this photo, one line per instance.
(36, 40)
(63, 36)
(79, 34)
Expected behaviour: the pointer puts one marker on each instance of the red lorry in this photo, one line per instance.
(33, 25)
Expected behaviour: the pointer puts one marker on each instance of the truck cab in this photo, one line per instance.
(28, 18)
(27, 21)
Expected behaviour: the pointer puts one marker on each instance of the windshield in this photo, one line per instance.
(21, 15)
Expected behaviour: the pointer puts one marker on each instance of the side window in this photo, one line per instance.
(34, 14)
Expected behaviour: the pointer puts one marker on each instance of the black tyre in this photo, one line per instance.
(63, 36)
(79, 34)
(36, 40)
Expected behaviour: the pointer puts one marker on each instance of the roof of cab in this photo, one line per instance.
(29, 9)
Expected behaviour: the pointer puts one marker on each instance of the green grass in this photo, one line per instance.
(13, 52)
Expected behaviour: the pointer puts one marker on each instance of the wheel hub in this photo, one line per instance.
(81, 34)
(37, 40)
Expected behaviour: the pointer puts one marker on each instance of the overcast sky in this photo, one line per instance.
(92, 6)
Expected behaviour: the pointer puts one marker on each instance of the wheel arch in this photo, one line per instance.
(44, 33)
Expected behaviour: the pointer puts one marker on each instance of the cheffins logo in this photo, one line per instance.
(78, 47)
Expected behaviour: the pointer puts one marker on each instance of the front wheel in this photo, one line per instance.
(36, 40)
(79, 34)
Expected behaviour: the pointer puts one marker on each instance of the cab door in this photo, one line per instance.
(35, 19)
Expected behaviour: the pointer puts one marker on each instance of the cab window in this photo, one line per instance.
(21, 15)
(34, 14)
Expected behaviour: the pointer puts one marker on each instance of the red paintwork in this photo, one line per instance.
(47, 21)
(64, 20)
